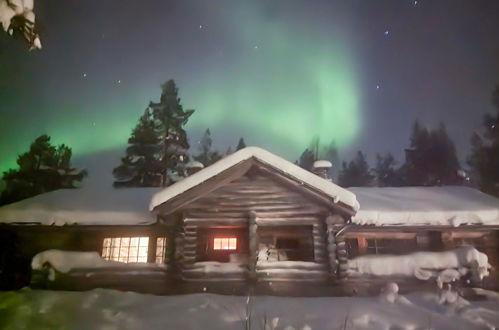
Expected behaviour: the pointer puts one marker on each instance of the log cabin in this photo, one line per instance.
(250, 217)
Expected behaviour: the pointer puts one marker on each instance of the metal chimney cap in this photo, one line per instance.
(322, 164)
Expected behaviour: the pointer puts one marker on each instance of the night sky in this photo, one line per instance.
(277, 72)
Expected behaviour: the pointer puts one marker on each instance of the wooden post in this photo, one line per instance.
(151, 249)
(336, 247)
(253, 244)
(331, 246)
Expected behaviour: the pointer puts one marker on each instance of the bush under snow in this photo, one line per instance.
(23, 9)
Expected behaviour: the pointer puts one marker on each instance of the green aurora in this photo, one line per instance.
(281, 86)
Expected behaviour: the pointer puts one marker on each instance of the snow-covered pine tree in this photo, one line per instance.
(206, 155)
(431, 159)
(43, 168)
(170, 119)
(356, 173)
(385, 172)
(484, 158)
(140, 167)
(241, 144)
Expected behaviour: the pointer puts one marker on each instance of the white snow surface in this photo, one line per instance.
(327, 187)
(445, 205)
(109, 309)
(207, 267)
(422, 265)
(83, 206)
(65, 261)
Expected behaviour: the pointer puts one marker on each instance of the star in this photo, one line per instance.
(119, 81)
(377, 86)
(415, 3)
(386, 32)
(200, 26)
(84, 75)
(256, 47)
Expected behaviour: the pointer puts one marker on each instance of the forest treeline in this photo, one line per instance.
(159, 154)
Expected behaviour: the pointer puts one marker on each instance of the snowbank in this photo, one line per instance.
(207, 267)
(83, 206)
(447, 205)
(65, 261)
(308, 178)
(422, 265)
(108, 309)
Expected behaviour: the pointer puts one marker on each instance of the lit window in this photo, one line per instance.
(225, 243)
(125, 249)
(160, 250)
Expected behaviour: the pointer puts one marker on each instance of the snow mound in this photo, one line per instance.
(65, 261)
(423, 265)
(447, 206)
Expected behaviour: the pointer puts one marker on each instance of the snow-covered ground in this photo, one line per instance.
(108, 309)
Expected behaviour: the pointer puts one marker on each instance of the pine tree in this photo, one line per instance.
(43, 168)
(241, 144)
(140, 167)
(356, 173)
(206, 155)
(431, 158)
(307, 159)
(385, 171)
(170, 119)
(484, 158)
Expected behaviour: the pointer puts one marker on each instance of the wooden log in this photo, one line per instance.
(286, 221)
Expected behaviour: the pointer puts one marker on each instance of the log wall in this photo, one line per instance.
(264, 208)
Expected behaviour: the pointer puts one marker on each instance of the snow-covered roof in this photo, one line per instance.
(83, 206)
(337, 193)
(447, 205)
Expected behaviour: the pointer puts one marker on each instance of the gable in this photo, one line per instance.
(255, 191)
(237, 165)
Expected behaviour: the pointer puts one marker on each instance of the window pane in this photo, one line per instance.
(107, 242)
(232, 243)
(134, 241)
(126, 249)
(225, 243)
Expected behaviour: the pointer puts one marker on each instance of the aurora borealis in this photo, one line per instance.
(276, 72)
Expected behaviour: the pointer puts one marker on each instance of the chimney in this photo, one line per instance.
(321, 168)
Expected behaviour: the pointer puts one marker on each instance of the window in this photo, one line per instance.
(160, 250)
(225, 243)
(125, 249)
(288, 248)
(390, 246)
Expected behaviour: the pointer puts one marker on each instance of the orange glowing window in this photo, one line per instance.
(225, 243)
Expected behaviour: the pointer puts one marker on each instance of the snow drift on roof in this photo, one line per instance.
(84, 206)
(328, 188)
(448, 205)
